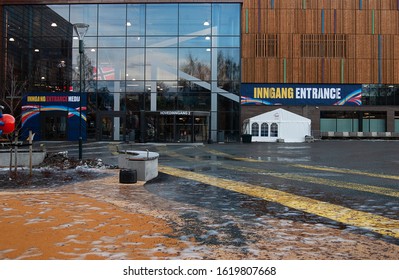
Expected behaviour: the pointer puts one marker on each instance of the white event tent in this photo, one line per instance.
(278, 125)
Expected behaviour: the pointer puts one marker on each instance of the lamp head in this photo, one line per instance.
(81, 29)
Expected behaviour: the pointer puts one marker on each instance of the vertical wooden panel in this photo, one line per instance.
(348, 20)
(246, 20)
(296, 70)
(362, 22)
(365, 52)
(272, 22)
(395, 52)
(285, 70)
(296, 46)
(286, 21)
(350, 71)
(284, 43)
(248, 70)
(389, 22)
(289, 20)
(273, 69)
(379, 68)
(366, 73)
(335, 71)
(388, 54)
(372, 21)
(260, 69)
(350, 5)
(249, 41)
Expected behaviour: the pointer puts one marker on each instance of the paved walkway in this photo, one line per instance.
(198, 216)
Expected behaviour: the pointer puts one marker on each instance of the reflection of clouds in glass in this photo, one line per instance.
(185, 38)
(161, 64)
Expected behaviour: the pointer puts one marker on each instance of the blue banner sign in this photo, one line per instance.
(301, 94)
(65, 105)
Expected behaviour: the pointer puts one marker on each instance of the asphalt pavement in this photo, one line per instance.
(352, 186)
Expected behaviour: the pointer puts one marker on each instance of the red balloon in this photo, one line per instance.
(9, 124)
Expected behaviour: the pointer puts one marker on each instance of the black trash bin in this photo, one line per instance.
(247, 138)
(127, 176)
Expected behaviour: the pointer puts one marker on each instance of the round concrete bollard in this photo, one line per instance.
(127, 176)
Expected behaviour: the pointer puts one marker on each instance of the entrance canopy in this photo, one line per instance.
(278, 124)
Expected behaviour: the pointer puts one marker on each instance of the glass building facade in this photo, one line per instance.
(150, 72)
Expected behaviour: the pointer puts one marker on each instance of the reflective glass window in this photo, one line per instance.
(195, 41)
(161, 63)
(117, 42)
(135, 64)
(264, 130)
(85, 14)
(88, 42)
(135, 42)
(228, 64)
(112, 20)
(111, 63)
(162, 19)
(274, 130)
(161, 42)
(135, 21)
(227, 42)
(195, 19)
(194, 64)
(61, 10)
(255, 129)
(134, 86)
(226, 19)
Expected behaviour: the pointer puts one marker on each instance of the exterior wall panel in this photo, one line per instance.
(362, 23)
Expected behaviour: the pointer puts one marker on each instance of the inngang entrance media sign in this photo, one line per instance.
(301, 94)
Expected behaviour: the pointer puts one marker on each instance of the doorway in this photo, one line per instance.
(111, 126)
(53, 125)
(187, 128)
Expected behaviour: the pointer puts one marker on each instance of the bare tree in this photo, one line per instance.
(13, 91)
(12, 95)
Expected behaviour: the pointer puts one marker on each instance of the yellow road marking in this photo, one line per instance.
(320, 181)
(307, 179)
(320, 168)
(217, 153)
(376, 223)
(350, 171)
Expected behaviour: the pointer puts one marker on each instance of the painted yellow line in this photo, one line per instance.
(307, 179)
(375, 223)
(217, 153)
(312, 167)
(320, 181)
(346, 171)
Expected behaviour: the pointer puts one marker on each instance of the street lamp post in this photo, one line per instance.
(81, 30)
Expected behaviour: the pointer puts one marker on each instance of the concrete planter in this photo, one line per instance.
(145, 163)
(23, 158)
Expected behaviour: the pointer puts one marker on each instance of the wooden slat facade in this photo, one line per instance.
(372, 36)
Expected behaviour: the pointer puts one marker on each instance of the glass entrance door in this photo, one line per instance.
(54, 125)
(182, 128)
(106, 128)
(111, 127)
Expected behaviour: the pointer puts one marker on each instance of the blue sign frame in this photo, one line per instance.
(301, 94)
(69, 102)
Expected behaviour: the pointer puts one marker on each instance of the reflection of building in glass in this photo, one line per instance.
(192, 71)
(152, 72)
(38, 44)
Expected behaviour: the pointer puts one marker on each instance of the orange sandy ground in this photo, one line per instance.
(101, 219)
(72, 226)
